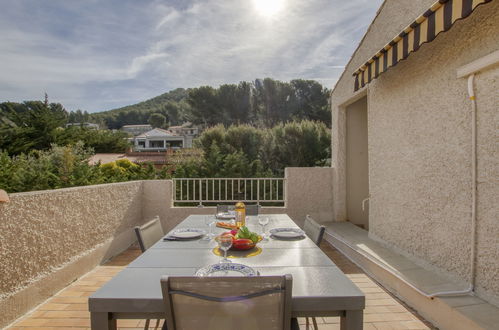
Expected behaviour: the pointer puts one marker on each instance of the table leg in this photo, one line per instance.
(102, 321)
(352, 320)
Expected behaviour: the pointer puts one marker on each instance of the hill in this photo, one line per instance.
(262, 103)
(171, 104)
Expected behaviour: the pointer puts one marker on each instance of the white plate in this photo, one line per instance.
(226, 269)
(287, 232)
(187, 233)
(226, 216)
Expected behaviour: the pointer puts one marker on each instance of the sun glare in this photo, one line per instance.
(268, 8)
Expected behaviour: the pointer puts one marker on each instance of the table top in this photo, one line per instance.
(319, 286)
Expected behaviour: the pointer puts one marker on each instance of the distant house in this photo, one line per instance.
(136, 129)
(186, 129)
(158, 139)
(87, 125)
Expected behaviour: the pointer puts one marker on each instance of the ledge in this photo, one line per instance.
(408, 281)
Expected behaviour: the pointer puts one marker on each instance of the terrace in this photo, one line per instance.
(409, 204)
(62, 245)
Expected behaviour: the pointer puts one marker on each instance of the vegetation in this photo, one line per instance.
(237, 151)
(263, 103)
(35, 125)
(251, 130)
(245, 151)
(68, 166)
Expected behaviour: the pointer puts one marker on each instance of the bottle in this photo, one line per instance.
(240, 214)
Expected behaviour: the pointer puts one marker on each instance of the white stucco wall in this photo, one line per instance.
(50, 238)
(419, 127)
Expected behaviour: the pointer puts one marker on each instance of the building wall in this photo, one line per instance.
(419, 125)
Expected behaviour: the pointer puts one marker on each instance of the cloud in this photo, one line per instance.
(98, 54)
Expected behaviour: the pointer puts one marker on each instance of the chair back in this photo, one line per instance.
(222, 208)
(252, 209)
(313, 230)
(149, 233)
(214, 303)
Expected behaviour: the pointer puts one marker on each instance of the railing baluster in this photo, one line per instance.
(200, 190)
(276, 187)
(251, 180)
(271, 187)
(264, 191)
(258, 191)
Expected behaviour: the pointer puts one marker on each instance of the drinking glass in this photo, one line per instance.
(224, 243)
(209, 220)
(263, 221)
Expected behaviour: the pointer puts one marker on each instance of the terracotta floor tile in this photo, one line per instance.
(53, 307)
(69, 308)
(66, 314)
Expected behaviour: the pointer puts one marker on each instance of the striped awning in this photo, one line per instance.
(440, 17)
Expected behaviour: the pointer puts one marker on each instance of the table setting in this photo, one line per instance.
(234, 240)
(266, 244)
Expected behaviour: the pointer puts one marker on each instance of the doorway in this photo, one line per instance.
(357, 166)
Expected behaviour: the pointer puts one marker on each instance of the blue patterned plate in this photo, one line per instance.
(227, 269)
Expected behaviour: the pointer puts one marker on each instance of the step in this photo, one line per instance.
(411, 282)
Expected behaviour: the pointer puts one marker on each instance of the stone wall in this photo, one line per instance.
(419, 130)
(50, 238)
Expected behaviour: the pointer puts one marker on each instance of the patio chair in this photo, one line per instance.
(222, 208)
(250, 209)
(149, 233)
(219, 303)
(313, 230)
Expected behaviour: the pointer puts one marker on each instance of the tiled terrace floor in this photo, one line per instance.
(68, 308)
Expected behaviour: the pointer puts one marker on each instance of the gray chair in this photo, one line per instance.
(313, 230)
(221, 208)
(219, 303)
(250, 209)
(149, 233)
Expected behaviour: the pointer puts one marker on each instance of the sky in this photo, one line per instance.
(97, 55)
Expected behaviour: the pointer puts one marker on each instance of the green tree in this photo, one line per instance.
(205, 108)
(29, 125)
(157, 120)
(101, 141)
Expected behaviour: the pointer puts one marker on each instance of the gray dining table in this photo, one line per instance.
(319, 287)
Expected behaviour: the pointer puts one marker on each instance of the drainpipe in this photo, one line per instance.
(471, 288)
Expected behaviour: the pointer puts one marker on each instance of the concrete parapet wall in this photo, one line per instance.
(50, 238)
